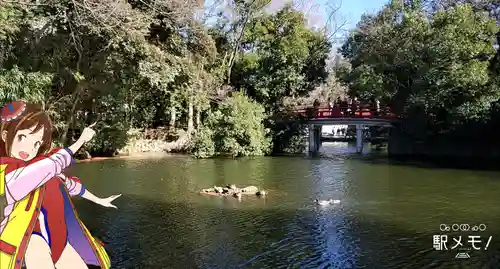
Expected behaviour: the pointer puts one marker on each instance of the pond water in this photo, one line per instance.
(386, 219)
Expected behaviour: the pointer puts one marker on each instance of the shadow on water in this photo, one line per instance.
(435, 162)
(372, 156)
(146, 233)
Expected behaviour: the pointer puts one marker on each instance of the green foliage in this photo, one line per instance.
(10, 19)
(290, 139)
(109, 112)
(202, 144)
(29, 86)
(428, 67)
(284, 58)
(235, 128)
(109, 139)
(129, 66)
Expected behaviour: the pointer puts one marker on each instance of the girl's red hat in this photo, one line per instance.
(12, 111)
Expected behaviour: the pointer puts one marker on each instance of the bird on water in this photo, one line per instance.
(326, 202)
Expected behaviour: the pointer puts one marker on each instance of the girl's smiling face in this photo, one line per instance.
(26, 136)
(26, 143)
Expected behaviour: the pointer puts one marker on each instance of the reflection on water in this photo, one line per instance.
(386, 217)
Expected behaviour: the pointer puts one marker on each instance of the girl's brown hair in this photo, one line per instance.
(33, 116)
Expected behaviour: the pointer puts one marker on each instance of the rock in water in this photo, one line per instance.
(218, 189)
(250, 190)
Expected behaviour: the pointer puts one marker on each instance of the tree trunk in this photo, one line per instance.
(251, 10)
(232, 57)
(190, 127)
(173, 116)
(64, 137)
(198, 118)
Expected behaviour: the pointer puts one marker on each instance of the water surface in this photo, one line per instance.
(386, 218)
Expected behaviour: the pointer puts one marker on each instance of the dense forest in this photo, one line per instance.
(147, 64)
(435, 62)
(231, 77)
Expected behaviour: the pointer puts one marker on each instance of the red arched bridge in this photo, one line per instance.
(349, 115)
(359, 115)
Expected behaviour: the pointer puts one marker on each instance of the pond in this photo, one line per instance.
(387, 216)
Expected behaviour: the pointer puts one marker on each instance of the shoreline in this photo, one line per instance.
(138, 155)
(429, 161)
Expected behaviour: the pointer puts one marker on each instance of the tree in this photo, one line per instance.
(109, 60)
(282, 57)
(427, 67)
(148, 64)
(235, 128)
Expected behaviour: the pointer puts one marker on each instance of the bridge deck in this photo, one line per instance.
(335, 116)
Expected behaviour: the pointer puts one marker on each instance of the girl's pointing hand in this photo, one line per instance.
(107, 202)
(88, 133)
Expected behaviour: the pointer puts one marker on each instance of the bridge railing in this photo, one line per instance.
(384, 112)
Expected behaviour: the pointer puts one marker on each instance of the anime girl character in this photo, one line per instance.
(40, 227)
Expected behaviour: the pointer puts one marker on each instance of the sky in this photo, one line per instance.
(318, 10)
(350, 11)
(353, 9)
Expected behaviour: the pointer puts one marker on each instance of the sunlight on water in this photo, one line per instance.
(386, 217)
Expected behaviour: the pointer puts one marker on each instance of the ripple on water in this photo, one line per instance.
(386, 217)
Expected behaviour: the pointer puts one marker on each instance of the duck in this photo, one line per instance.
(261, 193)
(237, 195)
(326, 202)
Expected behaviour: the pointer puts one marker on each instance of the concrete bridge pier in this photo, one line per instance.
(359, 137)
(314, 138)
